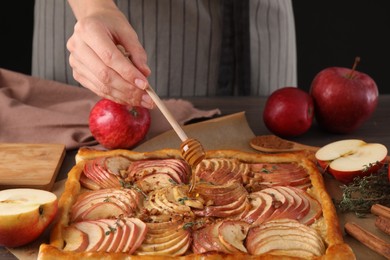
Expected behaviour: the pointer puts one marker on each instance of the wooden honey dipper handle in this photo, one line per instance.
(191, 149)
(172, 121)
(156, 99)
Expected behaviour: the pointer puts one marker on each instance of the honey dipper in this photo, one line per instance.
(191, 149)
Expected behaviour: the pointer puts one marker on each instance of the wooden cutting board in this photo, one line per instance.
(30, 165)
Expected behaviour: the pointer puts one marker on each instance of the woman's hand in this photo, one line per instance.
(96, 61)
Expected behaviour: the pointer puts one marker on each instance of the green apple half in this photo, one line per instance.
(25, 214)
(347, 159)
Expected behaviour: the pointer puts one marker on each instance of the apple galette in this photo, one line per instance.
(121, 204)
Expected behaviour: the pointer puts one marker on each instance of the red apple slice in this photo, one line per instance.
(75, 239)
(178, 170)
(213, 237)
(158, 238)
(304, 207)
(303, 204)
(200, 243)
(347, 159)
(90, 172)
(117, 164)
(88, 183)
(314, 213)
(128, 200)
(124, 234)
(163, 248)
(108, 235)
(257, 204)
(103, 210)
(221, 170)
(183, 247)
(280, 201)
(95, 234)
(93, 205)
(130, 233)
(95, 170)
(206, 239)
(109, 180)
(268, 208)
(284, 234)
(154, 181)
(114, 230)
(232, 235)
(141, 231)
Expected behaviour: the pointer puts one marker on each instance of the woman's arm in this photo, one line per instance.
(95, 59)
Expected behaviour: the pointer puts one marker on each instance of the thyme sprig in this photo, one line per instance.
(182, 200)
(129, 185)
(191, 224)
(363, 192)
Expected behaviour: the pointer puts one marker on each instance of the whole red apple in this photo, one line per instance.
(117, 126)
(288, 112)
(343, 98)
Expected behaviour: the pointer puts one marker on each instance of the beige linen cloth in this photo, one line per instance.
(34, 110)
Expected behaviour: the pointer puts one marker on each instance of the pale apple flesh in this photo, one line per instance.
(349, 158)
(24, 215)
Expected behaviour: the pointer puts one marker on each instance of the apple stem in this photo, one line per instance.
(357, 60)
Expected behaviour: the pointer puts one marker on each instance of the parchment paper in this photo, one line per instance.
(227, 132)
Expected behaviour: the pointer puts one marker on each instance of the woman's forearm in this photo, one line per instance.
(83, 8)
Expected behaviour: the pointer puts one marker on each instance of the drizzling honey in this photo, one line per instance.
(193, 152)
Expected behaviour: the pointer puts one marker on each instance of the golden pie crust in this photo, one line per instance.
(327, 224)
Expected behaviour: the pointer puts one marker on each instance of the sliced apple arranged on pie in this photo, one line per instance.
(122, 204)
(347, 159)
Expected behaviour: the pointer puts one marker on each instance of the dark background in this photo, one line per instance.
(329, 33)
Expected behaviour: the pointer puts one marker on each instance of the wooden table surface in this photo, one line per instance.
(376, 129)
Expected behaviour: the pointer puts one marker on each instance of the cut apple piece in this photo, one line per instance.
(25, 214)
(115, 227)
(130, 234)
(232, 235)
(102, 210)
(95, 234)
(166, 247)
(257, 205)
(95, 170)
(88, 183)
(347, 159)
(75, 239)
(267, 210)
(117, 164)
(221, 170)
(284, 235)
(140, 234)
(106, 203)
(109, 232)
(314, 213)
(206, 239)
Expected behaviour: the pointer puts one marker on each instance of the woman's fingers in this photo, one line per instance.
(112, 87)
(99, 65)
(94, 35)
